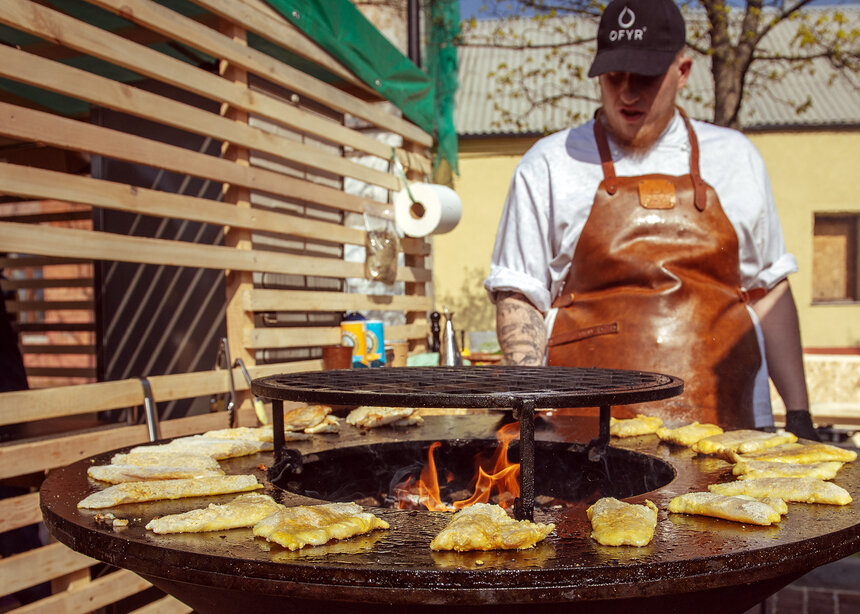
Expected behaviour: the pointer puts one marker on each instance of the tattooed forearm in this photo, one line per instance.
(520, 329)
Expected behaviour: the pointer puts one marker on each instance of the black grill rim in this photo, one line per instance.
(470, 386)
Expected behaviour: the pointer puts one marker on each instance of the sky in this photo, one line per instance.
(472, 8)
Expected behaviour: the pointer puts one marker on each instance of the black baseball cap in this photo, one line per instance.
(638, 36)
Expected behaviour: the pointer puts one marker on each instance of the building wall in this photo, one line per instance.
(461, 258)
(810, 171)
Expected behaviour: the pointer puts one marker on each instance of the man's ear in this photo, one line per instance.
(684, 66)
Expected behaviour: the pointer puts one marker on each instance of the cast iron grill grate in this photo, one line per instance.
(471, 386)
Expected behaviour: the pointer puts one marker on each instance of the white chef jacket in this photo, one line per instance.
(553, 189)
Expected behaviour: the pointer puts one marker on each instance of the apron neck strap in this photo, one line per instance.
(611, 180)
(609, 177)
(699, 192)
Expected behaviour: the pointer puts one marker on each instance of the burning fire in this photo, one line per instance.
(502, 477)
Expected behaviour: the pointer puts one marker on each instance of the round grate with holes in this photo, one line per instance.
(471, 386)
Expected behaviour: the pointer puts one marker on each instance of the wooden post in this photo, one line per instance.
(239, 283)
(416, 260)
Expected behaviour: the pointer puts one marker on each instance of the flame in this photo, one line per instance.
(426, 491)
(503, 478)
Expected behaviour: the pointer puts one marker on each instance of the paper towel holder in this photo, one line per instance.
(417, 210)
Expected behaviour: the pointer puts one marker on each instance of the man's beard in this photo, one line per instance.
(643, 140)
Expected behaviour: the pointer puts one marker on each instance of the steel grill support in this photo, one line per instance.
(524, 505)
(597, 446)
(279, 441)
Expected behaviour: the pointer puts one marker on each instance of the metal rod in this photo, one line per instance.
(603, 435)
(224, 350)
(278, 425)
(413, 16)
(597, 446)
(524, 505)
(152, 425)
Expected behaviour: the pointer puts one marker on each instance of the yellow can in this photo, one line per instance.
(352, 333)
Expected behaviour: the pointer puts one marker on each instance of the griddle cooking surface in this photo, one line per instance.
(474, 386)
(696, 564)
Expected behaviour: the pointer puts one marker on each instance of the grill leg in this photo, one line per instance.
(278, 426)
(597, 447)
(524, 505)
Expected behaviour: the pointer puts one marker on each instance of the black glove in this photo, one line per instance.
(799, 422)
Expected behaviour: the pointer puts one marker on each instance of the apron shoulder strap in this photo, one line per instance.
(605, 155)
(699, 191)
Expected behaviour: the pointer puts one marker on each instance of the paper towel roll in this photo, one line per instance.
(436, 210)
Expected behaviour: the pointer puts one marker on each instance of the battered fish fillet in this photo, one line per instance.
(802, 454)
(296, 527)
(725, 445)
(631, 427)
(162, 458)
(801, 490)
(616, 523)
(117, 474)
(413, 419)
(301, 418)
(739, 509)
(331, 424)
(483, 526)
(371, 417)
(216, 448)
(242, 512)
(747, 469)
(261, 433)
(138, 492)
(688, 434)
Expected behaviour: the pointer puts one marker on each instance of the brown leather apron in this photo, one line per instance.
(655, 286)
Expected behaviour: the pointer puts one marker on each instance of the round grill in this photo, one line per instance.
(473, 386)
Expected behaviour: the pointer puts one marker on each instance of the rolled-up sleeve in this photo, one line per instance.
(522, 252)
(765, 260)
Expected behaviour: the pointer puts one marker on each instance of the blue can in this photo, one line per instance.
(374, 332)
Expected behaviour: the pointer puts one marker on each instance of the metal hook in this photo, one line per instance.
(259, 406)
(150, 411)
(224, 355)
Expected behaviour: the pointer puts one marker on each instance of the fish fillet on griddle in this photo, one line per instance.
(747, 469)
(315, 525)
(802, 453)
(743, 441)
(369, 417)
(117, 474)
(688, 434)
(164, 458)
(632, 427)
(155, 490)
(617, 523)
(727, 507)
(308, 416)
(484, 526)
(216, 448)
(800, 490)
(242, 512)
(331, 424)
(263, 433)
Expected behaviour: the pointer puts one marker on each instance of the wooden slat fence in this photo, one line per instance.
(304, 150)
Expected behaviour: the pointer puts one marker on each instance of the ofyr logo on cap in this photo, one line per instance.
(626, 19)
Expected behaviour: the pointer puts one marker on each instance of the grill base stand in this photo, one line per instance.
(699, 564)
(725, 600)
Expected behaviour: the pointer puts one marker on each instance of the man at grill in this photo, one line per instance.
(643, 240)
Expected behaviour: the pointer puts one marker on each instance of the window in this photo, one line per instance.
(835, 258)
